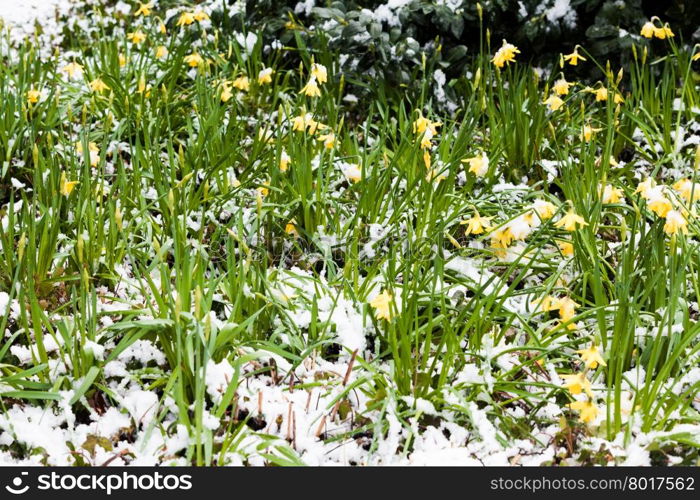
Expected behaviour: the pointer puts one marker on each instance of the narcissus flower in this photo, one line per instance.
(506, 54)
(185, 19)
(660, 205)
(547, 303)
(645, 187)
(571, 221)
(352, 172)
(311, 88)
(588, 132)
(66, 187)
(423, 124)
(303, 122)
(136, 37)
(501, 238)
(285, 160)
(574, 57)
(122, 60)
(554, 102)
(591, 357)
(161, 51)
(545, 209)
(588, 411)
(476, 224)
(567, 308)
(382, 305)
(601, 94)
(291, 228)
(696, 57)
(648, 30)
(663, 32)
(566, 248)
(612, 194)
(33, 95)
(478, 165)
(265, 76)
(328, 139)
(200, 15)
(97, 85)
(226, 93)
(73, 70)
(426, 158)
(162, 29)
(434, 176)
(93, 150)
(242, 83)
(675, 222)
(319, 72)
(193, 60)
(576, 384)
(561, 87)
(144, 9)
(688, 189)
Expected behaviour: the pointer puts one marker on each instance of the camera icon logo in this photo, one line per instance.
(17, 488)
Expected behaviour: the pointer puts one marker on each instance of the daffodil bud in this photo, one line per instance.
(178, 305)
(198, 302)
(80, 247)
(21, 244)
(620, 74)
(477, 78)
(479, 11)
(634, 51)
(644, 55)
(171, 201)
(156, 245)
(118, 217)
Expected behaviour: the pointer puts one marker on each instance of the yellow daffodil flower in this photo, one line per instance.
(611, 194)
(319, 72)
(144, 9)
(476, 224)
(591, 357)
(193, 60)
(382, 305)
(242, 83)
(265, 76)
(661, 206)
(554, 102)
(506, 54)
(570, 221)
(185, 19)
(97, 85)
(561, 87)
(675, 222)
(136, 37)
(311, 88)
(566, 248)
(588, 132)
(478, 165)
(576, 384)
(66, 187)
(588, 411)
(648, 30)
(574, 57)
(33, 95)
(687, 190)
(285, 160)
(73, 70)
